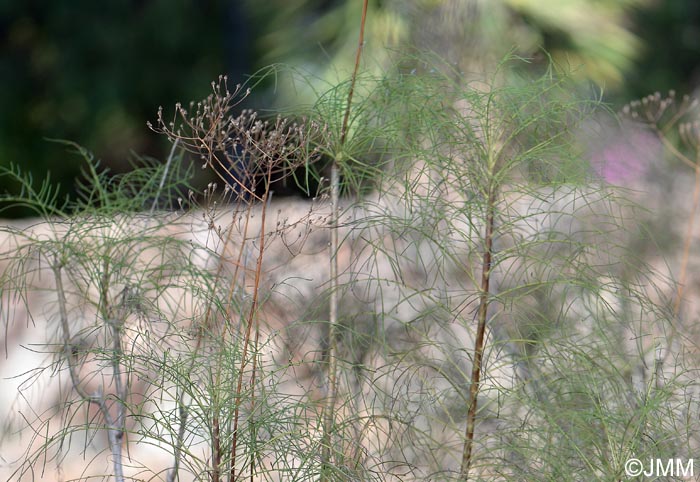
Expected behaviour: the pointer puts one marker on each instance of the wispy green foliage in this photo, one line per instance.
(99, 190)
(42, 200)
(491, 321)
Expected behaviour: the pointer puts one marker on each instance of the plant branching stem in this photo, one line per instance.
(165, 175)
(115, 428)
(329, 407)
(688, 240)
(252, 320)
(480, 333)
(678, 301)
(183, 411)
(183, 415)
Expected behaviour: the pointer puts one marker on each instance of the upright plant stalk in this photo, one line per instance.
(688, 238)
(115, 425)
(183, 412)
(165, 176)
(252, 319)
(694, 140)
(651, 110)
(480, 331)
(329, 407)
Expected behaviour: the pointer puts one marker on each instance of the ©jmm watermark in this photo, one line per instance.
(659, 467)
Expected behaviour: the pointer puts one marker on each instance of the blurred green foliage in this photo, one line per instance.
(670, 55)
(95, 72)
(592, 37)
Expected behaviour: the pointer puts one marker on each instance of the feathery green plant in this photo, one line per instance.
(489, 321)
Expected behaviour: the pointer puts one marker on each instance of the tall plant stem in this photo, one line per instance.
(252, 319)
(480, 332)
(329, 407)
(687, 243)
(183, 412)
(688, 240)
(115, 425)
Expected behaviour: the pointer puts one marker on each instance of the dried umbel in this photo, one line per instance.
(658, 111)
(243, 149)
(666, 117)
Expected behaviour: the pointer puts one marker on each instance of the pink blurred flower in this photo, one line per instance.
(626, 158)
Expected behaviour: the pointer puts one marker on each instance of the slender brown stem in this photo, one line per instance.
(216, 436)
(678, 301)
(256, 341)
(183, 410)
(353, 79)
(480, 333)
(250, 322)
(688, 241)
(329, 407)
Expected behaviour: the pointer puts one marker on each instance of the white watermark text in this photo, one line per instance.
(660, 467)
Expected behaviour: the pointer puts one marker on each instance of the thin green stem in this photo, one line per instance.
(329, 407)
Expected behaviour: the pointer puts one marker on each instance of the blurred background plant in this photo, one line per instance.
(95, 73)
